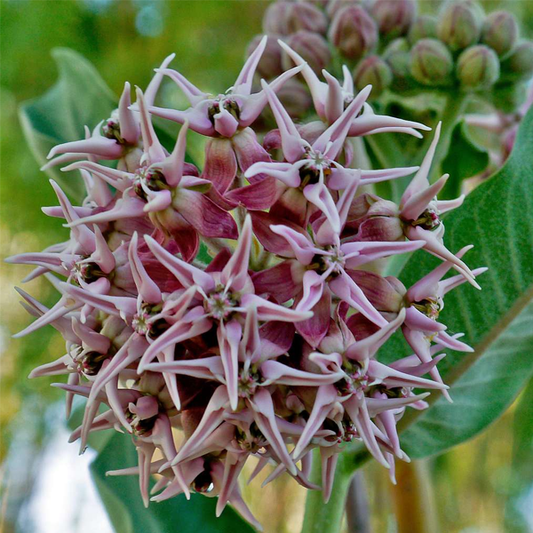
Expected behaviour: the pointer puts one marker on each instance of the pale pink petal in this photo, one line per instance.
(148, 289)
(265, 419)
(346, 289)
(326, 397)
(291, 142)
(129, 127)
(229, 338)
(301, 246)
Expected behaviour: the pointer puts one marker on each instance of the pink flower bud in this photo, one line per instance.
(312, 47)
(478, 67)
(394, 17)
(374, 71)
(353, 31)
(285, 18)
(500, 32)
(459, 24)
(431, 63)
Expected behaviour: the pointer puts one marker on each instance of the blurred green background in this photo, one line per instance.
(484, 486)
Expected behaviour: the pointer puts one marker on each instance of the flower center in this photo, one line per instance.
(143, 322)
(203, 483)
(333, 262)
(249, 380)
(222, 101)
(252, 440)
(92, 362)
(429, 219)
(111, 129)
(88, 271)
(316, 163)
(356, 379)
(430, 307)
(149, 178)
(220, 304)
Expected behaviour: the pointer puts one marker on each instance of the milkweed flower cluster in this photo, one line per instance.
(271, 349)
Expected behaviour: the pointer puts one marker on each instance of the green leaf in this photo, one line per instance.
(497, 321)
(79, 97)
(464, 160)
(123, 503)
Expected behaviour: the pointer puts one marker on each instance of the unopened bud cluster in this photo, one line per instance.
(236, 303)
(386, 43)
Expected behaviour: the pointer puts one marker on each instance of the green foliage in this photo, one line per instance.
(497, 321)
(79, 97)
(127, 513)
(464, 160)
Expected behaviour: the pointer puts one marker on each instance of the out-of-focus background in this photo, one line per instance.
(484, 486)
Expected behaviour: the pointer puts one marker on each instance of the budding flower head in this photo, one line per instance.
(519, 64)
(353, 31)
(312, 47)
(500, 32)
(285, 18)
(478, 67)
(459, 24)
(374, 71)
(423, 27)
(394, 17)
(431, 63)
(398, 57)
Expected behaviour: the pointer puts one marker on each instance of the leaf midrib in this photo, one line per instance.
(470, 359)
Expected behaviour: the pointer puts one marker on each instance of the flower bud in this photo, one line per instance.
(459, 24)
(431, 62)
(373, 71)
(500, 32)
(286, 18)
(353, 32)
(424, 27)
(478, 67)
(295, 98)
(333, 6)
(312, 47)
(398, 57)
(394, 17)
(519, 64)
(270, 63)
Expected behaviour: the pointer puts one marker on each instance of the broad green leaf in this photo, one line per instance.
(79, 98)
(464, 160)
(125, 508)
(497, 321)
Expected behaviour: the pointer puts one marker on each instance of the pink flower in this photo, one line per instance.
(271, 349)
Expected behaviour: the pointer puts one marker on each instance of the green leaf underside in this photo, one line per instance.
(464, 160)
(79, 97)
(497, 321)
(127, 513)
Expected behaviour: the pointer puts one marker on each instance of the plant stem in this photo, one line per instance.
(413, 498)
(452, 112)
(357, 505)
(323, 517)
